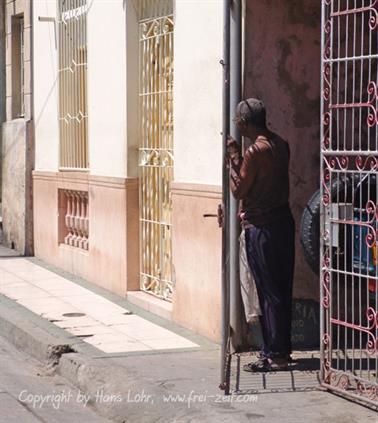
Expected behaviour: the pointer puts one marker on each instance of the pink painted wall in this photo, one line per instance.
(283, 69)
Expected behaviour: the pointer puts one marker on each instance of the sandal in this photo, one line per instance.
(264, 365)
(261, 365)
(288, 357)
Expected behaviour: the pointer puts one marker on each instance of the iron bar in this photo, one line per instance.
(236, 307)
(225, 310)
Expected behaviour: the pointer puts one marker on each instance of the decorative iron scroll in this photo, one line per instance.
(372, 118)
(371, 8)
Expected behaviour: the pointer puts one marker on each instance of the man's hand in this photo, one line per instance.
(233, 153)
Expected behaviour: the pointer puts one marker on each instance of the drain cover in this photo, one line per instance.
(74, 314)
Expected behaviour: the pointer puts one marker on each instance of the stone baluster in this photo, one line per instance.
(73, 220)
(81, 219)
(68, 218)
(83, 222)
(86, 226)
(77, 219)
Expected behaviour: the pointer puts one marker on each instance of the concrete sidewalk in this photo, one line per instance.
(137, 367)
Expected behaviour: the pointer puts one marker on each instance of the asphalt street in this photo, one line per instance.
(30, 394)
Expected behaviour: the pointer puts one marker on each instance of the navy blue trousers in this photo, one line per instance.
(270, 252)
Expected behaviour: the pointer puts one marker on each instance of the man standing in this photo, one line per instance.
(261, 181)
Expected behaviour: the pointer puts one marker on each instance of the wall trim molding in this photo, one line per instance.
(83, 178)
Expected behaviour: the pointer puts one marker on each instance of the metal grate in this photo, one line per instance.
(156, 154)
(72, 30)
(349, 152)
(148, 9)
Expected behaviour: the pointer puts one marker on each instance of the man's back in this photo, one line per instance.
(261, 180)
(268, 196)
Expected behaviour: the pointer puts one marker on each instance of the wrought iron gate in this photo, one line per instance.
(349, 153)
(156, 154)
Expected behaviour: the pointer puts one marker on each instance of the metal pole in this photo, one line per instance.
(224, 377)
(2, 84)
(236, 307)
(31, 135)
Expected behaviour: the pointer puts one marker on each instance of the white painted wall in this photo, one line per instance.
(107, 88)
(112, 143)
(132, 72)
(198, 92)
(45, 88)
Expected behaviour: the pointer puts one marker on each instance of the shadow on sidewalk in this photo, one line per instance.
(4, 251)
(302, 375)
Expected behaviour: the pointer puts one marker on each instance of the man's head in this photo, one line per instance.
(250, 113)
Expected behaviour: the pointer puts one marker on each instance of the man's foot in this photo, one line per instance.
(289, 358)
(264, 364)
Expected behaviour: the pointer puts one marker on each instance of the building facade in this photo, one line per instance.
(128, 151)
(111, 155)
(17, 158)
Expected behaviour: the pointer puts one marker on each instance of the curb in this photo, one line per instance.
(80, 364)
(30, 338)
(88, 369)
(92, 379)
(58, 353)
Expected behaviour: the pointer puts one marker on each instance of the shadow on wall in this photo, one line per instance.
(282, 69)
(305, 326)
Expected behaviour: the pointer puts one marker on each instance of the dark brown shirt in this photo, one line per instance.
(261, 180)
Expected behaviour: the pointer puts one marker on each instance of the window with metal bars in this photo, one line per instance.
(18, 67)
(156, 155)
(73, 117)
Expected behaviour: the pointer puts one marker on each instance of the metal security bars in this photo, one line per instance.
(148, 9)
(72, 48)
(349, 228)
(156, 154)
